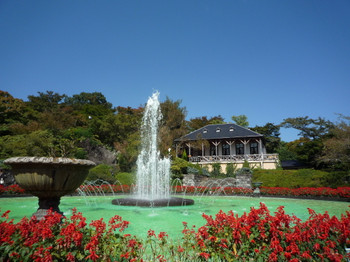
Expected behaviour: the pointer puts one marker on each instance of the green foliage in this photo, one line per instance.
(192, 170)
(198, 122)
(38, 143)
(179, 166)
(306, 150)
(126, 178)
(216, 170)
(271, 134)
(246, 164)
(184, 155)
(103, 172)
(284, 153)
(231, 169)
(172, 125)
(241, 120)
(336, 179)
(244, 170)
(298, 178)
(308, 127)
(80, 153)
(336, 150)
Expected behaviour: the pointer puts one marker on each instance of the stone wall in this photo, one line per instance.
(241, 180)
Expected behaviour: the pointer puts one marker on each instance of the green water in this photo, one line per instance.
(169, 219)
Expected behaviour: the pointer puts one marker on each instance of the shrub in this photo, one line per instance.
(216, 170)
(292, 178)
(179, 166)
(244, 170)
(126, 178)
(336, 178)
(230, 169)
(192, 170)
(103, 172)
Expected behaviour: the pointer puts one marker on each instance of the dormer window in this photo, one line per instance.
(218, 130)
(232, 129)
(205, 131)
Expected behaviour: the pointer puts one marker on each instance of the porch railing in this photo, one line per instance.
(235, 158)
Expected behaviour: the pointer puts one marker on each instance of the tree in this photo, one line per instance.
(309, 128)
(11, 112)
(173, 124)
(307, 150)
(271, 134)
(199, 122)
(336, 150)
(284, 153)
(48, 101)
(90, 104)
(124, 130)
(241, 120)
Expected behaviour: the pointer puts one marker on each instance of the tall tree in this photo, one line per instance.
(48, 101)
(11, 112)
(199, 122)
(173, 124)
(336, 150)
(271, 134)
(308, 127)
(241, 120)
(91, 104)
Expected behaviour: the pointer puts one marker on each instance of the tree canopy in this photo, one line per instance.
(53, 124)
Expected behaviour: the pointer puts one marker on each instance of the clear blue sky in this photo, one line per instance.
(269, 60)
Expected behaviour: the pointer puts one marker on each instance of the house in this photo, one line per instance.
(226, 143)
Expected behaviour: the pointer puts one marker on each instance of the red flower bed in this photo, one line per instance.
(343, 192)
(13, 189)
(254, 236)
(259, 236)
(307, 191)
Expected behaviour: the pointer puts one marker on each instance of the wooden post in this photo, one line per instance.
(216, 147)
(230, 143)
(245, 142)
(189, 149)
(261, 152)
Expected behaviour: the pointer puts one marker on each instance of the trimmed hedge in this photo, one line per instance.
(299, 178)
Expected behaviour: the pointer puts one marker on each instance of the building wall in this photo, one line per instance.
(232, 149)
(265, 165)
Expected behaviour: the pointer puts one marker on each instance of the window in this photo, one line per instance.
(225, 149)
(254, 148)
(218, 130)
(212, 150)
(232, 129)
(205, 130)
(239, 149)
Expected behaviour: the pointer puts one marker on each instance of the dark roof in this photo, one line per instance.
(221, 131)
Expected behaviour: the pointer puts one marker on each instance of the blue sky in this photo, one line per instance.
(269, 60)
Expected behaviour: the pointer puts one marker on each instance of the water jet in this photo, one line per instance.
(153, 172)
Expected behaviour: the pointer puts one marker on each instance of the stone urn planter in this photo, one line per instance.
(49, 178)
(256, 187)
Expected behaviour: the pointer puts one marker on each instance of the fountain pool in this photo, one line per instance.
(169, 219)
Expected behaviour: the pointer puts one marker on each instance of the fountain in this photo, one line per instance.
(153, 173)
(49, 178)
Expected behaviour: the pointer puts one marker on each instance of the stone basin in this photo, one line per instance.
(49, 178)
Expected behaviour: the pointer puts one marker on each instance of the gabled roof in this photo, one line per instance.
(220, 131)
